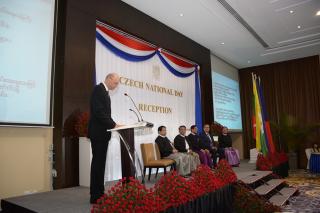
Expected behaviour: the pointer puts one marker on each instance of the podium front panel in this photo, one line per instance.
(127, 167)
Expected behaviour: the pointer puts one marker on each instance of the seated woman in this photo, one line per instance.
(315, 148)
(168, 151)
(183, 145)
(225, 142)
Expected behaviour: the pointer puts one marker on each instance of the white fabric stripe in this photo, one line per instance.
(177, 67)
(153, 72)
(123, 47)
(177, 56)
(101, 24)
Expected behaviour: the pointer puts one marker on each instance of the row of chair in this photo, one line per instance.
(152, 160)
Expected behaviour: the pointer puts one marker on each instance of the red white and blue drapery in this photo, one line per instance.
(136, 50)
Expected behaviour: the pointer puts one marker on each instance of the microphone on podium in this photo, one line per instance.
(135, 114)
(134, 106)
(148, 124)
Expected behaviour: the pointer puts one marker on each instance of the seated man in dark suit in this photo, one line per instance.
(196, 146)
(208, 143)
(168, 151)
(182, 144)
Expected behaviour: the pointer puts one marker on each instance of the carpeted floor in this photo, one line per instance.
(308, 199)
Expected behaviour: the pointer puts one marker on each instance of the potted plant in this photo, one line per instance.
(291, 135)
(70, 147)
(85, 154)
(69, 125)
(216, 128)
(81, 125)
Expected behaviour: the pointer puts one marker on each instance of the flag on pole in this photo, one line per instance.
(259, 124)
(266, 123)
(253, 120)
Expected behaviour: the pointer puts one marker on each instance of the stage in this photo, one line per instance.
(76, 199)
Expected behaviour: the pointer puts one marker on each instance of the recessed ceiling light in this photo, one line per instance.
(181, 14)
(291, 11)
(222, 43)
(249, 61)
(298, 26)
(318, 13)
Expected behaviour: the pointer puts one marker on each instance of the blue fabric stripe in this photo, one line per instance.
(171, 69)
(95, 77)
(129, 57)
(122, 54)
(198, 107)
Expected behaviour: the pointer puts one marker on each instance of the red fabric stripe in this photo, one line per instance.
(132, 43)
(269, 136)
(178, 61)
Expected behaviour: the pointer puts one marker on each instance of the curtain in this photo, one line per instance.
(290, 87)
(164, 86)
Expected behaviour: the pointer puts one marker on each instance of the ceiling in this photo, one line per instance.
(244, 33)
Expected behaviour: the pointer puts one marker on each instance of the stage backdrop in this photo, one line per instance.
(164, 86)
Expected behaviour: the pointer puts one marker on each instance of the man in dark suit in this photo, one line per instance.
(208, 143)
(183, 145)
(182, 160)
(197, 146)
(100, 121)
(164, 144)
(181, 142)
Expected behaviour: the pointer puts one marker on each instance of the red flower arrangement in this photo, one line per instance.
(283, 157)
(205, 180)
(271, 161)
(129, 196)
(76, 124)
(263, 163)
(225, 173)
(81, 125)
(274, 159)
(69, 129)
(175, 189)
(172, 190)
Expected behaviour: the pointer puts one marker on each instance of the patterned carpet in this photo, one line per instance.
(308, 198)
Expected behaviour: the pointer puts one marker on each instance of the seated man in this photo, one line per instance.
(196, 146)
(225, 142)
(167, 151)
(182, 144)
(208, 143)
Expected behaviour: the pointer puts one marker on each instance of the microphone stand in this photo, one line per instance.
(148, 124)
(135, 114)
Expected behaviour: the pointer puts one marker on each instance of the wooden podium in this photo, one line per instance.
(128, 152)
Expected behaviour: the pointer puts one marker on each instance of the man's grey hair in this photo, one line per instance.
(112, 75)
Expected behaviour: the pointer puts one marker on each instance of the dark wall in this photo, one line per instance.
(290, 87)
(77, 74)
(80, 46)
(59, 165)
